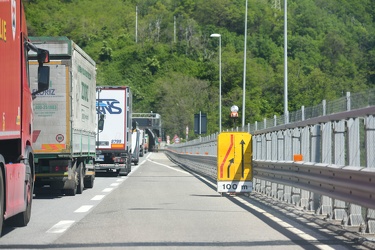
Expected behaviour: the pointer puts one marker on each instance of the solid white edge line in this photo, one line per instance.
(279, 221)
(178, 170)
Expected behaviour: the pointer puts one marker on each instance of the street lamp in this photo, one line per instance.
(219, 36)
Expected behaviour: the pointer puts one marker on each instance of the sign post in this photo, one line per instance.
(234, 162)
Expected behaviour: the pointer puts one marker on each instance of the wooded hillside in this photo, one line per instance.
(172, 64)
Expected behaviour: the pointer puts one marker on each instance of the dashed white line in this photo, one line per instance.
(83, 209)
(60, 227)
(98, 197)
(115, 184)
(107, 190)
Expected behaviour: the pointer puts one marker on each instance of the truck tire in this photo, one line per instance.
(80, 177)
(1, 201)
(70, 192)
(23, 218)
(89, 182)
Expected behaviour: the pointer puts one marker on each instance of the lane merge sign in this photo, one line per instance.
(234, 162)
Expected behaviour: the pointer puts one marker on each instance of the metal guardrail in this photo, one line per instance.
(337, 142)
(351, 184)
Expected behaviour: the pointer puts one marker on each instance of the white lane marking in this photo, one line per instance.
(98, 197)
(278, 221)
(107, 190)
(285, 225)
(60, 227)
(83, 209)
(115, 184)
(178, 170)
(120, 180)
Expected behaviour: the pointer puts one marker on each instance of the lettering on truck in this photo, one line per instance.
(85, 92)
(46, 92)
(84, 72)
(108, 105)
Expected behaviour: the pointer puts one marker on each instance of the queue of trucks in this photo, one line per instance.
(16, 115)
(58, 129)
(65, 118)
(114, 139)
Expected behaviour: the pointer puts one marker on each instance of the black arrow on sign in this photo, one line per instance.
(231, 161)
(243, 161)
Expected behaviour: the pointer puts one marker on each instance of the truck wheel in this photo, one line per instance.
(89, 182)
(70, 192)
(1, 201)
(23, 218)
(80, 184)
(129, 169)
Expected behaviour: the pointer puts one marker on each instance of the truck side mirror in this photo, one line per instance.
(43, 78)
(101, 123)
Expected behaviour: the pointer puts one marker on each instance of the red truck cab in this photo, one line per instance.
(16, 115)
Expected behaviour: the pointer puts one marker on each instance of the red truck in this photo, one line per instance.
(16, 115)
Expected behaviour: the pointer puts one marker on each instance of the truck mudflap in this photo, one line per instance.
(89, 178)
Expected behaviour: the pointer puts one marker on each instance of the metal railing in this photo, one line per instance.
(336, 141)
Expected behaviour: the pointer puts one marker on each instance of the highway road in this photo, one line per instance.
(163, 206)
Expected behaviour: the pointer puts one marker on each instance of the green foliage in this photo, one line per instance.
(171, 63)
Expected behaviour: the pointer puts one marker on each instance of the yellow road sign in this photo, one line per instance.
(234, 162)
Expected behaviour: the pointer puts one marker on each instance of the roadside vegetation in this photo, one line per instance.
(172, 64)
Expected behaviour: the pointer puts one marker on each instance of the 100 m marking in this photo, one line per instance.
(234, 186)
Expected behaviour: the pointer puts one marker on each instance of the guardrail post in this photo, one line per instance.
(274, 146)
(288, 145)
(280, 145)
(370, 141)
(325, 207)
(354, 145)
(268, 188)
(305, 143)
(327, 143)
(268, 140)
(296, 196)
(280, 191)
(287, 194)
(274, 190)
(296, 141)
(315, 143)
(355, 215)
(370, 218)
(339, 142)
(340, 211)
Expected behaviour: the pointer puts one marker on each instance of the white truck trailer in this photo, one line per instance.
(114, 140)
(65, 119)
(141, 140)
(135, 146)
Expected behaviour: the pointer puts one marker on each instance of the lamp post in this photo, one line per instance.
(219, 36)
(286, 112)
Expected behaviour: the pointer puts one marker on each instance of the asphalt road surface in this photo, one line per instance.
(162, 206)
